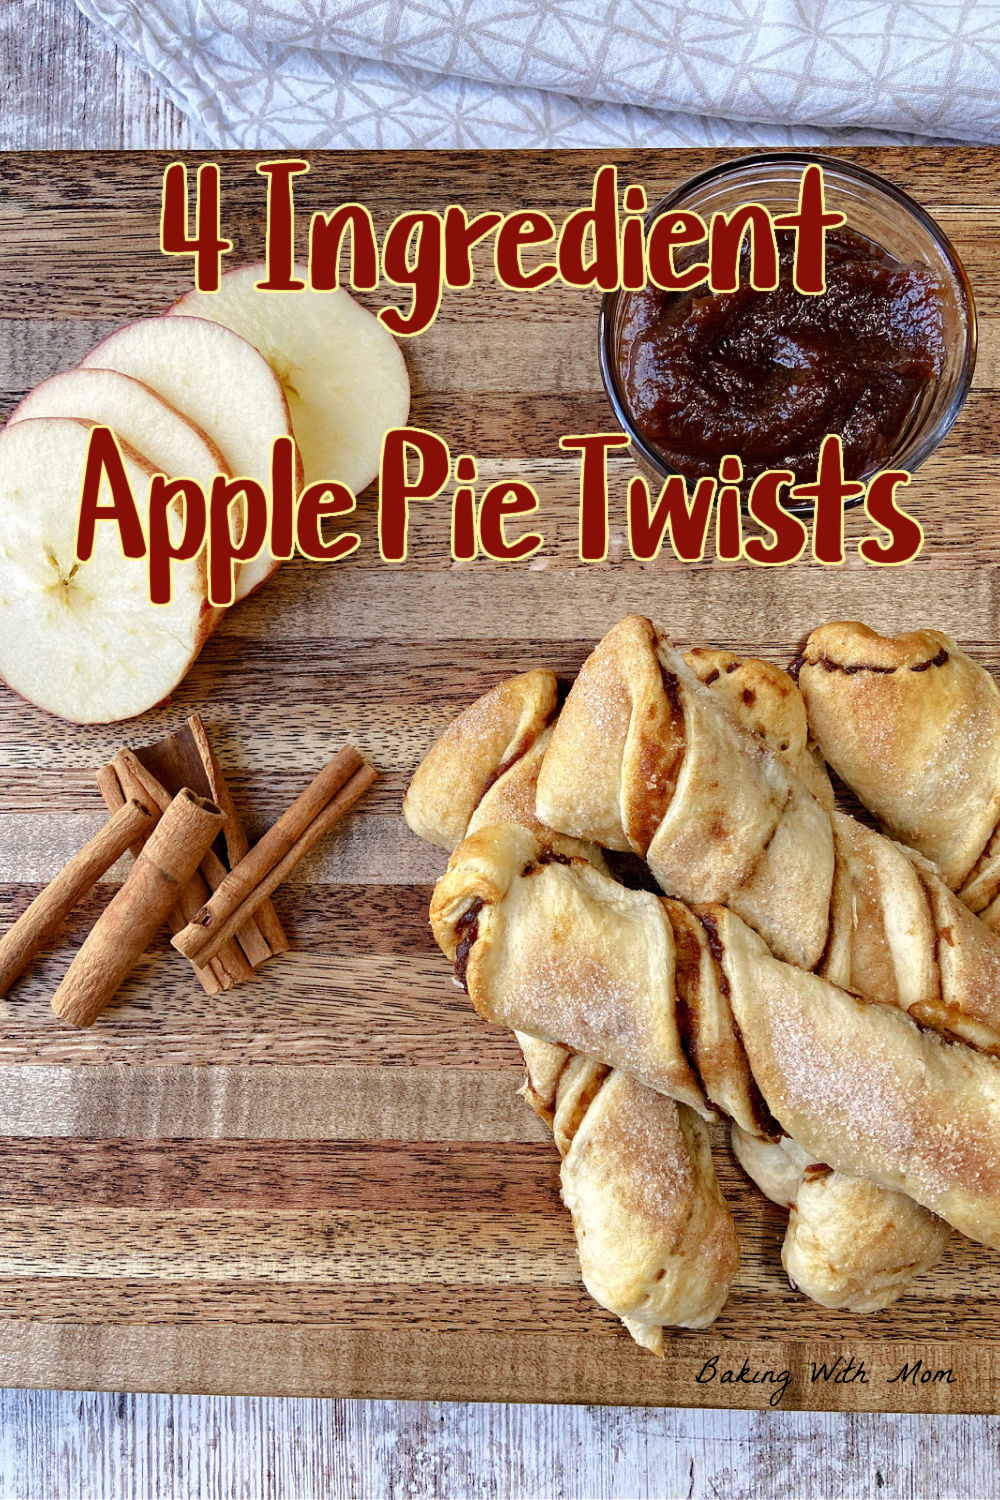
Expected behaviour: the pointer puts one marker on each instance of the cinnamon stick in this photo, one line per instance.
(324, 802)
(186, 758)
(212, 977)
(50, 908)
(110, 789)
(229, 966)
(125, 929)
(238, 958)
(237, 847)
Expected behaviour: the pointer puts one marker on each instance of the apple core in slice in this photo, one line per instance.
(342, 371)
(219, 382)
(139, 417)
(82, 640)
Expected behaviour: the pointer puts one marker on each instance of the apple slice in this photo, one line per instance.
(216, 380)
(82, 640)
(142, 419)
(342, 371)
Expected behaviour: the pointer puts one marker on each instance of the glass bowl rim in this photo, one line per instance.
(929, 440)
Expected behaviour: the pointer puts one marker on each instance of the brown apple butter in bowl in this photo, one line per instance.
(884, 357)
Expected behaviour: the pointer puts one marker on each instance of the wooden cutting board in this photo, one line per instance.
(322, 1183)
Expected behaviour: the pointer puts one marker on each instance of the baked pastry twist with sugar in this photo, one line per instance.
(849, 1243)
(912, 725)
(482, 772)
(656, 1241)
(550, 945)
(644, 757)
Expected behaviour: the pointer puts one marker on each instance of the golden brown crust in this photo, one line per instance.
(766, 701)
(657, 1242)
(851, 1244)
(565, 1086)
(473, 752)
(544, 1063)
(624, 712)
(742, 829)
(848, 646)
(900, 937)
(738, 826)
(579, 1084)
(888, 934)
(966, 1003)
(566, 946)
(665, 1259)
(563, 953)
(705, 1023)
(912, 725)
(864, 1090)
(510, 798)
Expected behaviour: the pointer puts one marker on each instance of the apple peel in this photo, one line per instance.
(81, 639)
(219, 382)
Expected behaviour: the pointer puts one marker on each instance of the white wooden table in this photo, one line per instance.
(62, 87)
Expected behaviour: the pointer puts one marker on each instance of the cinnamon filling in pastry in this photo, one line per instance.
(467, 930)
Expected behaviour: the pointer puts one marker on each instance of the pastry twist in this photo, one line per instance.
(550, 945)
(849, 1243)
(644, 757)
(912, 725)
(482, 772)
(656, 1241)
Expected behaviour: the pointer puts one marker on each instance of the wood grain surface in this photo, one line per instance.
(61, 1445)
(64, 87)
(73, 1446)
(322, 1183)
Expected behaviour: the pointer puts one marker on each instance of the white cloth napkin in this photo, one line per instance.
(612, 73)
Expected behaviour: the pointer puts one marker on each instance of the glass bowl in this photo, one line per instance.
(874, 208)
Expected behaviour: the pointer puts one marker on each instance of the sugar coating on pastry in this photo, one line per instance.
(657, 1243)
(557, 941)
(474, 751)
(656, 1239)
(730, 821)
(912, 725)
(766, 701)
(862, 1089)
(616, 1139)
(739, 827)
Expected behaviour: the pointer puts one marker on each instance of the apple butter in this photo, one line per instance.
(768, 374)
